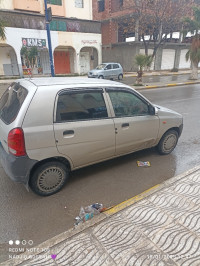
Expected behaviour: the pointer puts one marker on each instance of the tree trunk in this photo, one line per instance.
(139, 77)
(194, 73)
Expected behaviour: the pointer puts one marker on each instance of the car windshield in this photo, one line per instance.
(101, 66)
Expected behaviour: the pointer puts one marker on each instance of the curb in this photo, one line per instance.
(165, 85)
(50, 243)
(157, 75)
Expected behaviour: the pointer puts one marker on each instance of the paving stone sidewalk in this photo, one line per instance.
(159, 227)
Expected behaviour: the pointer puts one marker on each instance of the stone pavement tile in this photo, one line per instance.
(195, 177)
(191, 220)
(180, 190)
(172, 204)
(127, 245)
(82, 249)
(177, 242)
(148, 219)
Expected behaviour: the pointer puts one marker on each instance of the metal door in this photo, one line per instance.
(84, 62)
(45, 62)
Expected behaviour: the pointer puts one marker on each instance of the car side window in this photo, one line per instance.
(108, 67)
(75, 106)
(115, 66)
(127, 104)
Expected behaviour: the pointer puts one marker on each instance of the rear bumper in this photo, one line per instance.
(17, 168)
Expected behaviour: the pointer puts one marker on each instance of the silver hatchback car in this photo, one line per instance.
(107, 71)
(51, 126)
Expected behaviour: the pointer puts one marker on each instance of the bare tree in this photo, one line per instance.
(154, 20)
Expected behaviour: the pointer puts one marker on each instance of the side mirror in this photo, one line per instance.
(153, 110)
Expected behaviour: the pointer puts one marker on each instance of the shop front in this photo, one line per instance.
(35, 57)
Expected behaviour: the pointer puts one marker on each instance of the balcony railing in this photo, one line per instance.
(37, 21)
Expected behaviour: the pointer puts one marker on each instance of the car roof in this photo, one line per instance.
(68, 81)
(111, 63)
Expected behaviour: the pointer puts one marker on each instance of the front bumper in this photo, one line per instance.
(180, 129)
(92, 76)
(17, 168)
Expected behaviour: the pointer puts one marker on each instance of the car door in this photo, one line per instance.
(116, 70)
(84, 132)
(108, 71)
(136, 128)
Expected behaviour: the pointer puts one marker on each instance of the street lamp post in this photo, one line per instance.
(49, 39)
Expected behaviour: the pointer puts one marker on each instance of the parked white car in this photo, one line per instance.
(51, 126)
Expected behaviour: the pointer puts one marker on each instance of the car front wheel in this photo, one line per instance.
(101, 77)
(49, 178)
(168, 142)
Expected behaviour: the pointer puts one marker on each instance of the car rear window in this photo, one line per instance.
(11, 102)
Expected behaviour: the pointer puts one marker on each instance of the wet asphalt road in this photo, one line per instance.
(26, 216)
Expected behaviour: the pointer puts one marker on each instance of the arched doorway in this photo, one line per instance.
(64, 57)
(88, 59)
(8, 61)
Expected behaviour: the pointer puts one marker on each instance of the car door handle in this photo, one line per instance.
(68, 133)
(125, 125)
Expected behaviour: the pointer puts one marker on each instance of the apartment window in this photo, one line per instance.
(55, 2)
(101, 5)
(79, 3)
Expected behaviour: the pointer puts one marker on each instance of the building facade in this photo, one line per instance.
(76, 39)
(121, 46)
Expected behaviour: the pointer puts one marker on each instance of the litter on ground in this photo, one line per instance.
(140, 163)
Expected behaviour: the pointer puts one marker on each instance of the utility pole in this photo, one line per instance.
(48, 19)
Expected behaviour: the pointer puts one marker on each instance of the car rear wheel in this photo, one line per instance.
(120, 77)
(101, 77)
(49, 178)
(168, 142)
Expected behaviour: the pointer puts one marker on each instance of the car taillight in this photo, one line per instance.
(16, 143)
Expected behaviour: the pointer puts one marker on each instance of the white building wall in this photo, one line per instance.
(6, 4)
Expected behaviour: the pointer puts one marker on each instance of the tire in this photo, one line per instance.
(120, 77)
(101, 77)
(168, 142)
(49, 178)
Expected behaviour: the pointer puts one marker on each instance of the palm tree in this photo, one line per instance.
(142, 61)
(193, 54)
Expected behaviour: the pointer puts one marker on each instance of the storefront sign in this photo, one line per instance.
(89, 41)
(30, 42)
